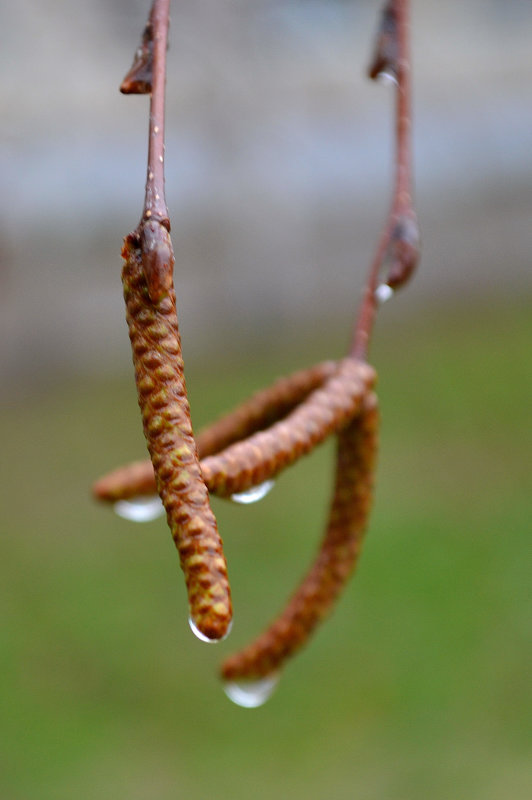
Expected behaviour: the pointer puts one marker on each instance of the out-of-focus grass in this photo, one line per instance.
(417, 687)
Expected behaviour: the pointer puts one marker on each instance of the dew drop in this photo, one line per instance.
(383, 293)
(201, 636)
(252, 693)
(387, 77)
(143, 508)
(254, 494)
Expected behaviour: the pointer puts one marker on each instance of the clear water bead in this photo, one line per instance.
(254, 494)
(383, 293)
(387, 77)
(201, 636)
(252, 694)
(140, 509)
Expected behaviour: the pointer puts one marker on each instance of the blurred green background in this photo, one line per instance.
(419, 684)
(278, 178)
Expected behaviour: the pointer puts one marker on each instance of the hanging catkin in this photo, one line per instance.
(155, 341)
(336, 559)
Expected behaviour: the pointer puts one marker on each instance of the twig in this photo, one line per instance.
(399, 240)
(148, 75)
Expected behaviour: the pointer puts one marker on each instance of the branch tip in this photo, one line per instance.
(386, 49)
(138, 79)
(398, 246)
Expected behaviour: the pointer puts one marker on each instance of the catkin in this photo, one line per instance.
(244, 463)
(260, 411)
(265, 454)
(336, 559)
(156, 346)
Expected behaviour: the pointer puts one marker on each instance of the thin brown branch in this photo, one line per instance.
(368, 308)
(399, 241)
(148, 75)
(155, 202)
(405, 234)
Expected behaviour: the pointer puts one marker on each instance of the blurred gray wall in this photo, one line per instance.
(278, 167)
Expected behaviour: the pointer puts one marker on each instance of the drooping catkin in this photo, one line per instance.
(155, 341)
(261, 410)
(265, 454)
(314, 415)
(336, 559)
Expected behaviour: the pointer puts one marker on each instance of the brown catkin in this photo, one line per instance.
(336, 559)
(123, 483)
(265, 454)
(314, 416)
(156, 345)
(261, 410)
(264, 408)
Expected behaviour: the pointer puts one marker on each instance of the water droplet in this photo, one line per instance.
(254, 693)
(140, 509)
(387, 77)
(254, 494)
(383, 293)
(201, 636)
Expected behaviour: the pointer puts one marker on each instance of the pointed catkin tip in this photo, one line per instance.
(213, 630)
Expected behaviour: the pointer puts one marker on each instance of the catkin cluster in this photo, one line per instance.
(254, 443)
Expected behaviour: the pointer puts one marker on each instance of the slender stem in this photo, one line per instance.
(368, 307)
(155, 203)
(148, 75)
(399, 238)
(403, 178)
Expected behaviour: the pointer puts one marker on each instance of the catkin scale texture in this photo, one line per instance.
(265, 454)
(336, 559)
(155, 341)
(261, 410)
(312, 405)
